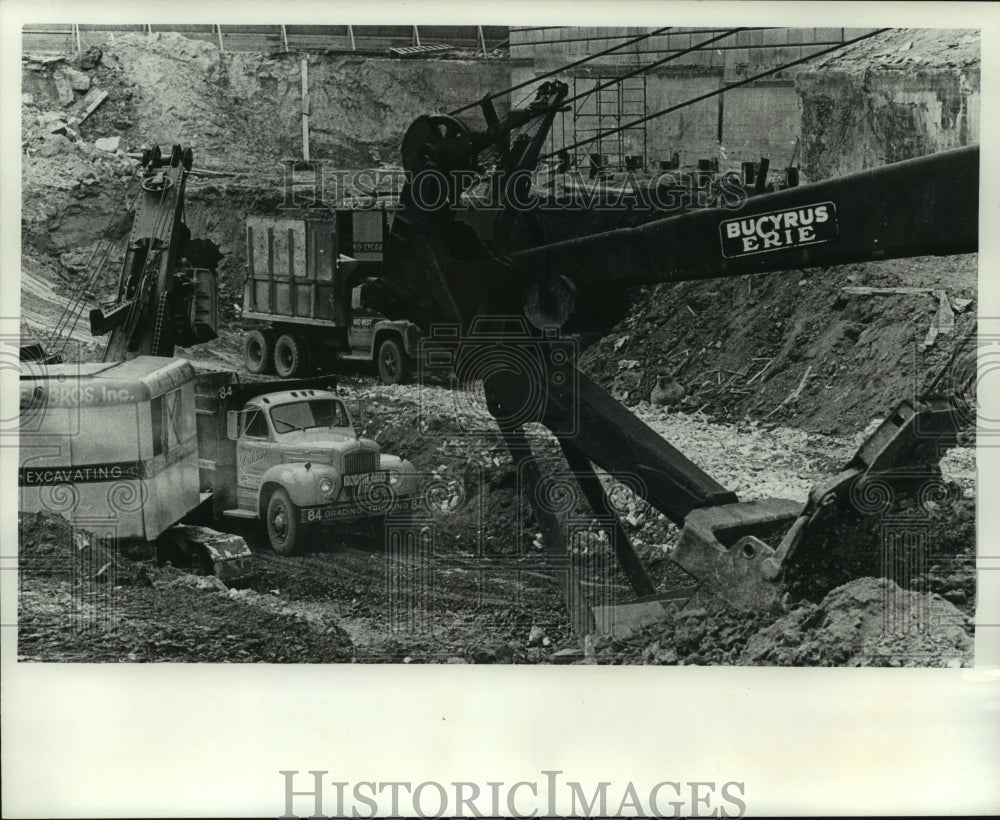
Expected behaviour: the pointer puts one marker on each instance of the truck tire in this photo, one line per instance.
(283, 528)
(291, 355)
(394, 365)
(258, 351)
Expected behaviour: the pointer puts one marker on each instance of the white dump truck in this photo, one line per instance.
(146, 441)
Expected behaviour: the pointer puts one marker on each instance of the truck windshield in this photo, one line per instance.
(306, 415)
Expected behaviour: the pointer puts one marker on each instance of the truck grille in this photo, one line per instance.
(360, 461)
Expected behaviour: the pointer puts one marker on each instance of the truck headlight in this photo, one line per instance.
(326, 485)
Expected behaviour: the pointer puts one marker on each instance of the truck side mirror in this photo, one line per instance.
(346, 264)
(233, 424)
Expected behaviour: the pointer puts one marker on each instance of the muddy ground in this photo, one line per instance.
(484, 591)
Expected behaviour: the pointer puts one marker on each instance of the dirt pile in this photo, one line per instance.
(797, 348)
(868, 622)
(909, 49)
(51, 547)
(81, 597)
(242, 111)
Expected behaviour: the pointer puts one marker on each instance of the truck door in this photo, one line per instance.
(362, 327)
(253, 451)
(366, 241)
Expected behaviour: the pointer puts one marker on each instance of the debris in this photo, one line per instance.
(944, 320)
(55, 145)
(90, 101)
(867, 622)
(490, 652)
(419, 51)
(201, 583)
(794, 394)
(43, 61)
(536, 636)
(109, 144)
(90, 59)
(64, 89)
(77, 80)
(858, 290)
(761, 371)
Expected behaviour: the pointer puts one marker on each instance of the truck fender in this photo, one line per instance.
(302, 485)
(407, 332)
(407, 473)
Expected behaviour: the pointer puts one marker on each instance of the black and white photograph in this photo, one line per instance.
(569, 345)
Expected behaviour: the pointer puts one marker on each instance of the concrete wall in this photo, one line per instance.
(901, 94)
(761, 119)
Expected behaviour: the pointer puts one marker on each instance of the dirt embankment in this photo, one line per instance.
(743, 347)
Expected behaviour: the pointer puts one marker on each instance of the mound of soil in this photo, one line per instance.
(868, 622)
(81, 597)
(742, 347)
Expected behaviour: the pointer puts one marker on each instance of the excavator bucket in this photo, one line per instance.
(208, 551)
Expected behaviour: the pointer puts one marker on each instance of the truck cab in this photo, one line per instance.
(299, 462)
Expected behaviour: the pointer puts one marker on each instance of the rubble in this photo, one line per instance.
(109, 144)
(868, 622)
(77, 80)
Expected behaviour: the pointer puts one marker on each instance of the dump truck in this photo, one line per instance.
(291, 457)
(144, 442)
(304, 280)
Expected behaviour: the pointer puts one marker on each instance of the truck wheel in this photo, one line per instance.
(258, 352)
(393, 364)
(283, 527)
(290, 355)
